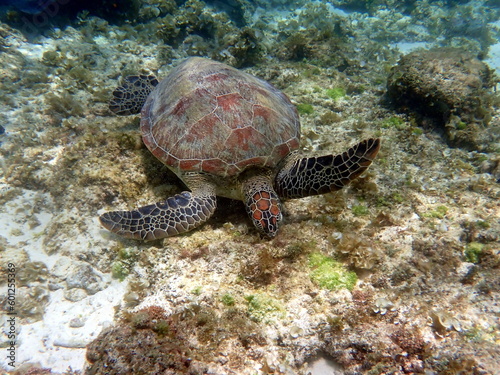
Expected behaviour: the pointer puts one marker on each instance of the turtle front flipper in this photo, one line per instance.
(262, 204)
(129, 98)
(302, 177)
(178, 214)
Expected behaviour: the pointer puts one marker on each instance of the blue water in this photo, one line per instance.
(27, 6)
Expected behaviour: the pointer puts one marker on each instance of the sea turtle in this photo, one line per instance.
(224, 132)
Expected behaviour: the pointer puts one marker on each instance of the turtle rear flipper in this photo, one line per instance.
(129, 98)
(178, 214)
(302, 177)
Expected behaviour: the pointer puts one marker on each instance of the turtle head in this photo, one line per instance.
(262, 204)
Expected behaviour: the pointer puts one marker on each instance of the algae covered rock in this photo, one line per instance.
(195, 340)
(122, 350)
(446, 88)
(149, 344)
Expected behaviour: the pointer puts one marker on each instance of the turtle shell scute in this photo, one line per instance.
(208, 117)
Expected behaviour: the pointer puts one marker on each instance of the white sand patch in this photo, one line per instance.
(59, 339)
(53, 343)
(493, 59)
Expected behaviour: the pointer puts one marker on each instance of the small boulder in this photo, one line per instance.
(446, 88)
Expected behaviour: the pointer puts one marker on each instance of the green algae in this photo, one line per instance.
(262, 307)
(311, 72)
(483, 224)
(330, 274)
(119, 270)
(473, 252)
(197, 291)
(336, 93)
(305, 109)
(360, 210)
(228, 300)
(162, 328)
(438, 213)
(393, 122)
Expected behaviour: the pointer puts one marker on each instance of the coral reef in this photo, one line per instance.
(452, 88)
(416, 237)
(202, 32)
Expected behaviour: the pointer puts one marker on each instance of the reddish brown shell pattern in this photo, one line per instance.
(208, 117)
